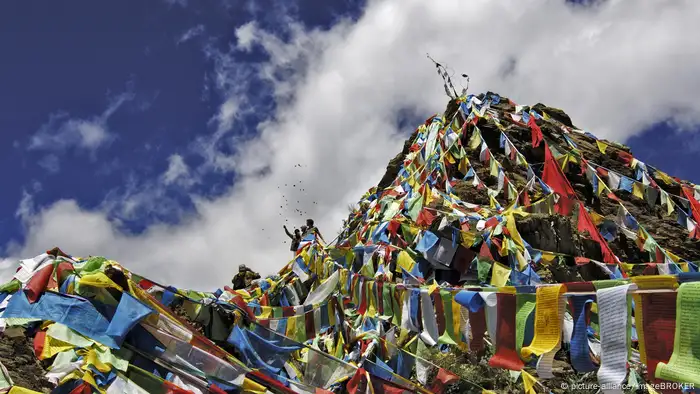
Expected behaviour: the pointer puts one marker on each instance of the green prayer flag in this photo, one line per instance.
(483, 267)
(396, 306)
(448, 337)
(685, 359)
(525, 305)
(604, 284)
(386, 300)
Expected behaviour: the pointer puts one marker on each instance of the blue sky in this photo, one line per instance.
(163, 132)
(72, 61)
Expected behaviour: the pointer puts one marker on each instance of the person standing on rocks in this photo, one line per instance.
(244, 277)
(296, 239)
(311, 229)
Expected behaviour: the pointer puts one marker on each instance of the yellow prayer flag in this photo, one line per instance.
(93, 359)
(639, 323)
(522, 263)
(655, 281)
(250, 386)
(499, 275)
(493, 168)
(638, 190)
(464, 165)
(427, 195)
(673, 257)
(662, 176)
(601, 186)
(291, 327)
(371, 298)
(98, 279)
(432, 288)
(405, 261)
(467, 238)
(499, 125)
(513, 230)
(548, 258)
(53, 346)
(547, 321)
(21, 390)
(529, 382)
(597, 218)
(475, 140)
(565, 161)
(507, 290)
(339, 352)
(265, 312)
(601, 146)
(456, 320)
(545, 116)
(90, 379)
(627, 267)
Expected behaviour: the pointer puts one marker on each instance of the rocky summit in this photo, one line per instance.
(504, 250)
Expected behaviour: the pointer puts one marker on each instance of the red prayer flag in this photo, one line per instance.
(363, 298)
(625, 157)
(537, 136)
(287, 311)
(380, 297)
(172, 388)
(492, 222)
(555, 179)
(443, 379)
(525, 198)
(425, 217)
(37, 284)
(506, 356)
(269, 382)
(485, 252)
(310, 326)
(214, 389)
(659, 320)
(659, 256)
(83, 388)
(477, 320)
(358, 383)
(439, 311)
(39, 340)
(585, 224)
(694, 204)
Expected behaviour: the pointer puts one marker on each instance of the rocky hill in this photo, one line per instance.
(496, 253)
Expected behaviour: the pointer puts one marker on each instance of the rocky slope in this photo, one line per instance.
(585, 161)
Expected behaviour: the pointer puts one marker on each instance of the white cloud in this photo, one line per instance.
(190, 34)
(615, 68)
(25, 210)
(245, 35)
(178, 172)
(61, 132)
